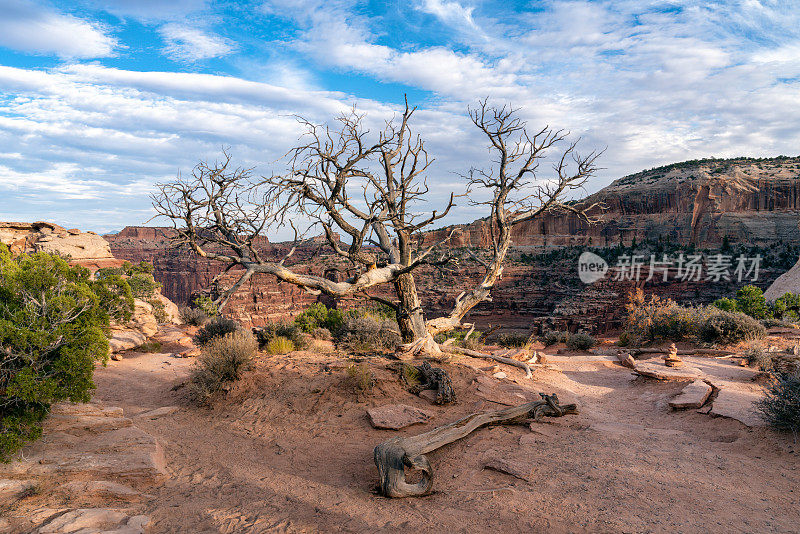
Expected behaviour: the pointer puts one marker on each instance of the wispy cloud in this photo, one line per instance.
(190, 44)
(28, 27)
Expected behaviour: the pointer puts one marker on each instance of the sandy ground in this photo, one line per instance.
(290, 450)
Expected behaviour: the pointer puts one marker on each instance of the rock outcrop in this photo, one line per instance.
(83, 248)
(788, 282)
(94, 465)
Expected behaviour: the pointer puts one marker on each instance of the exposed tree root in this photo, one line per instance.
(475, 354)
(394, 455)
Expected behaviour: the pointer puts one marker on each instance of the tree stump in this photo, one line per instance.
(435, 378)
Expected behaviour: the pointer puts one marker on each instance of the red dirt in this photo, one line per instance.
(290, 450)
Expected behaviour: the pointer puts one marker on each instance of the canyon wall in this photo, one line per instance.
(702, 204)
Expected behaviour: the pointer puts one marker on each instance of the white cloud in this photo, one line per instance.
(29, 28)
(185, 43)
(449, 12)
(152, 10)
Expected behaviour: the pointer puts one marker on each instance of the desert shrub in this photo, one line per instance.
(143, 285)
(654, 318)
(319, 316)
(726, 304)
(581, 341)
(513, 340)
(727, 327)
(322, 333)
(780, 407)
(222, 361)
(279, 345)
(551, 337)
(787, 307)
(290, 331)
(207, 304)
(750, 300)
(193, 316)
(53, 319)
(361, 377)
(216, 327)
(363, 332)
(758, 357)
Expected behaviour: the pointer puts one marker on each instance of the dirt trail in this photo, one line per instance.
(290, 450)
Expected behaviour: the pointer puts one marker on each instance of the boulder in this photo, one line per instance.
(126, 339)
(91, 443)
(397, 416)
(99, 489)
(738, 402)
(788, 282)
(662, 372)
(692, 396)
(143, 319)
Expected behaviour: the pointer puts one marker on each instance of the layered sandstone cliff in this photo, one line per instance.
(702, 204)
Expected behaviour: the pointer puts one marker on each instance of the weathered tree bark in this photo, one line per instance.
(435, 378)
(409, 310)
(394, 455)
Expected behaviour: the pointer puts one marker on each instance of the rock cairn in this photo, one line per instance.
(671, 359)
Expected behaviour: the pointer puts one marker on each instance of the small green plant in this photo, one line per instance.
(279, 345)
(193, 316)
(410, 374)
(216, 327)
(361, 377)
(580, 341)
(289, 331)
(207, 304)
(150, 347)
(787, 307)
(726, 304)
(222, 361)
(780, 406)
(319, 316)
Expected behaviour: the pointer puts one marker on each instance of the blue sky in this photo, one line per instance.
(100, 99)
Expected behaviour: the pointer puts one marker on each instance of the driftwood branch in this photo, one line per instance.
(394, 455)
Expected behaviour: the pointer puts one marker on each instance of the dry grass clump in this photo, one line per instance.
(361, 377)
(757, 356)
(289, 331)
(279, 345)
(222, 361)
(514, 340)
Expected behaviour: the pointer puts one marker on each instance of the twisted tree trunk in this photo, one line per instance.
(394, 455)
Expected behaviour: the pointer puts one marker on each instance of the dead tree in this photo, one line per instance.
(394, 455)
(363, 193)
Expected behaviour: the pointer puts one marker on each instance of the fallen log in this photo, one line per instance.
(394, 455)
(475, 354)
